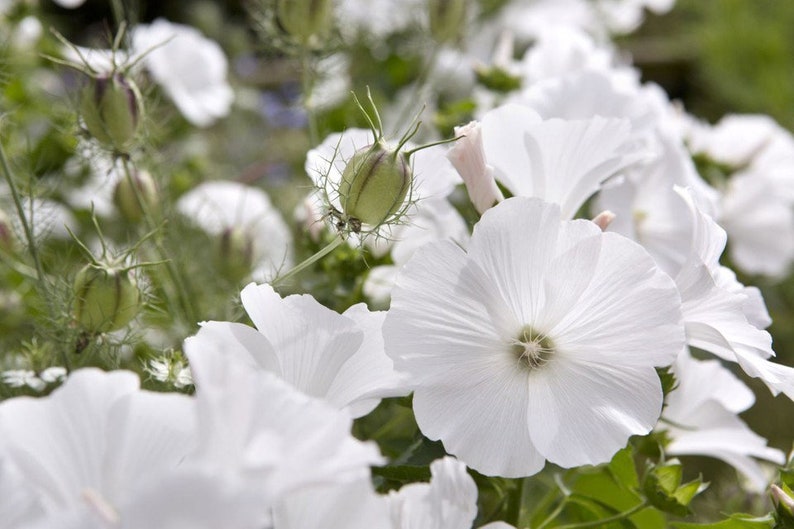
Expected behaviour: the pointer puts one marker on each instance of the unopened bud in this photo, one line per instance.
(134, 194)
(375, 183)
(468, 158)
(447, 19)
(106, 298)
(784, 503)
(235, 254)
(604, 219)
(304, 19)
(111, 108)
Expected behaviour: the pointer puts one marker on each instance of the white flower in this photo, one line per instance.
(70, 4)
(336, 357)
(190, 67)
(17, 378)
(560, 161)
(94, 441)
(539, 343)
(449, 501)
(701, 419)
(268, 434)
(218, 206)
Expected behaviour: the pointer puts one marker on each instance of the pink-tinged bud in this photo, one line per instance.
(784, 503)
(468, 158)
(604, 219)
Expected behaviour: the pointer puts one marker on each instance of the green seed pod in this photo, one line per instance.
(447, 19)
(304, 19)
(111, 108)
(374, 184)
(106, 298)
(136, 194)
(234, 255)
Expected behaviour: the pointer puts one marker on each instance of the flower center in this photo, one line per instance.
(532, 349)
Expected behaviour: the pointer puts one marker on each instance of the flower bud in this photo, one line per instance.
(304, 19)
(468, 158)
(135, 194)
(784, 502)
(447, 19)
(235, 255)
(111, 108)
(374, 184)
(106, 298)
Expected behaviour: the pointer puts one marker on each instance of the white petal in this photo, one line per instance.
(581, 413)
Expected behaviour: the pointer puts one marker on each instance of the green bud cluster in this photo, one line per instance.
(106, 298)
(111, 107)
(375, 183)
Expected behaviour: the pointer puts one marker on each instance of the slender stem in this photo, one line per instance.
(181, 290)
(307, 87)
(310, 261)
(554, 514)
(34, 254)
(599, 523)
(118, 12)
(514, 503)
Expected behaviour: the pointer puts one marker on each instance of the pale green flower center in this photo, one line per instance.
(532, 348)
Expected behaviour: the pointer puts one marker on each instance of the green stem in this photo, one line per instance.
(514, 503)
(34, 254)
(183, 298)
(307, 87)
(310, 261)
(599, 523)
(554, 514)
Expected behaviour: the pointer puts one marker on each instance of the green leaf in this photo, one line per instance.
(623, 470)
(403, 473)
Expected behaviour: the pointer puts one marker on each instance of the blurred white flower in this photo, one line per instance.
(95, 441)
(514, 364)
(331, 356)
(701, 419)
(69, 4)
(220, 207)
(191, 69)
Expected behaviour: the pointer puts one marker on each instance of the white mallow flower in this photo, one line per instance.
(221, 207)
(449, 501)
(721, 316)
(94, 442)
(335, 357)
(190, 67)
(277, 440)
(701, 418)
(560, 161)
(538, 343)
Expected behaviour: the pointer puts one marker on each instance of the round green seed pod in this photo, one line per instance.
(447, 19)
(106, 298)
(304, 19)
(133, 195)
(111, 108)
(374, 184)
